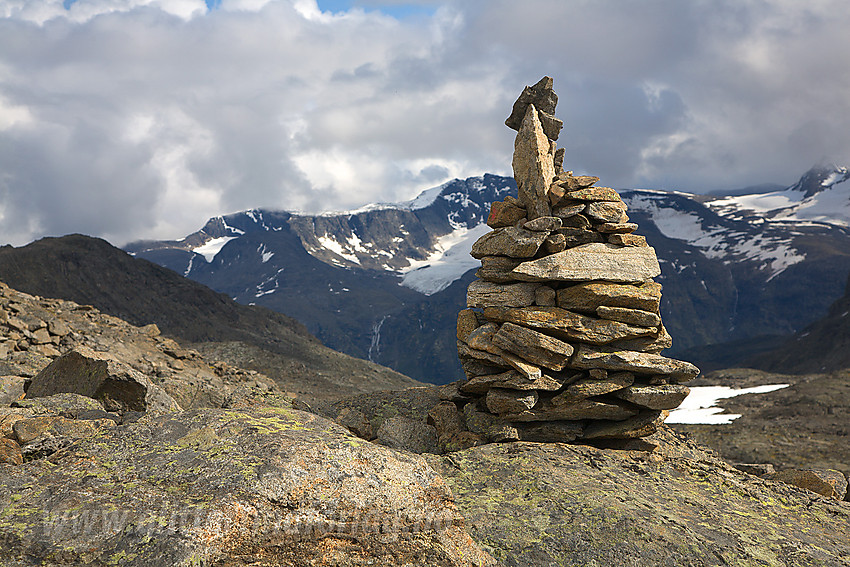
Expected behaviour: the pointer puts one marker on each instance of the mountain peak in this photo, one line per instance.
(820, 178)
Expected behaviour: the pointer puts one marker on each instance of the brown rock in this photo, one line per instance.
(592, 262)
(541, 95)
(10, 452)
(663, 397)
(587, 297)
(535, 347)
(581, 409)
(527, 369)
(504, 214)
(553, 244)
(559, 159)
(498, 268)
(493, 427)
(551, 432)
(511, 241)
(653, 344)
(465, 351)
(116, 385)
(29, 429)
(593, 194)
(627, 239)
(543, 224)
(501, 401)
(576, 221)
(568, 210)
(8, 418)
(826, 482)
(445, 419)
(590, 387)
(544, 296)
(533, 165)
(606, 211)
(11, 389)
(629, 316)
(482, 337)
(473, 367)
(356, 422)
(41, 336)
(467, 321)
(639, 362)
(641, 425)
(513, 380)
(617, 227)
(566, 324)
(578, 237)
(482, 293)
(574, 183)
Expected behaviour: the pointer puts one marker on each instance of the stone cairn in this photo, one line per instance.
(561, 336)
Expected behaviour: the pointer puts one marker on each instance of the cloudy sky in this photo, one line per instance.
(131, 119)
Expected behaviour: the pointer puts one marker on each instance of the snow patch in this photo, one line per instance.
(699, 406)
(335, 247)
(213, 247)
(447, 263)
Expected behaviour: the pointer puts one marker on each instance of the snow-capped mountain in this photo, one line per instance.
(385, 282)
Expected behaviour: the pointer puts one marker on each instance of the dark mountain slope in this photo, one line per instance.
(823, 346)
(91, 271)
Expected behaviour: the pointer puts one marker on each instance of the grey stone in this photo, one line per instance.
(638, 362)
(566, 324)
(550, 432)
(592, 262)
(482, 293)
(606, 211)
(465, 351)
(502, 401)
(498, 268)
(587, 297)
(643, 424)
(116, 385)
(533, 165)
(590, 387)
(511, 241)
(543, 224)
(408, 434)
(565, 211)
(493, 427)
(540, 95)
(661, 397)
(544, 296)
(513, 380)
(629, 316)
(581, 409)
(617, 227)
(533, 346)
(553, 244)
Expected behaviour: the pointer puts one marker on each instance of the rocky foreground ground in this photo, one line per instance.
(178, 460)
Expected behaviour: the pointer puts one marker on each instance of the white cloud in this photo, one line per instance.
(141, 118)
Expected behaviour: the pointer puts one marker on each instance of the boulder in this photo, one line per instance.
(116, 385)
(11, 389)
(826, 482)
(643, 424)
(491, 427)
(543, 224)
(596, 261)
(260, 486)
(511, 241)
(541, 95)
(408, 434)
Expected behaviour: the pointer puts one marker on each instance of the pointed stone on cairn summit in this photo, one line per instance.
(562, 337)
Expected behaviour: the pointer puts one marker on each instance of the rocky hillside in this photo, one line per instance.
(90, 271)
(384, 283)
(823, 346)
(122, 447)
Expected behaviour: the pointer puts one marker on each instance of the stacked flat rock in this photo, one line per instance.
(562, 335)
